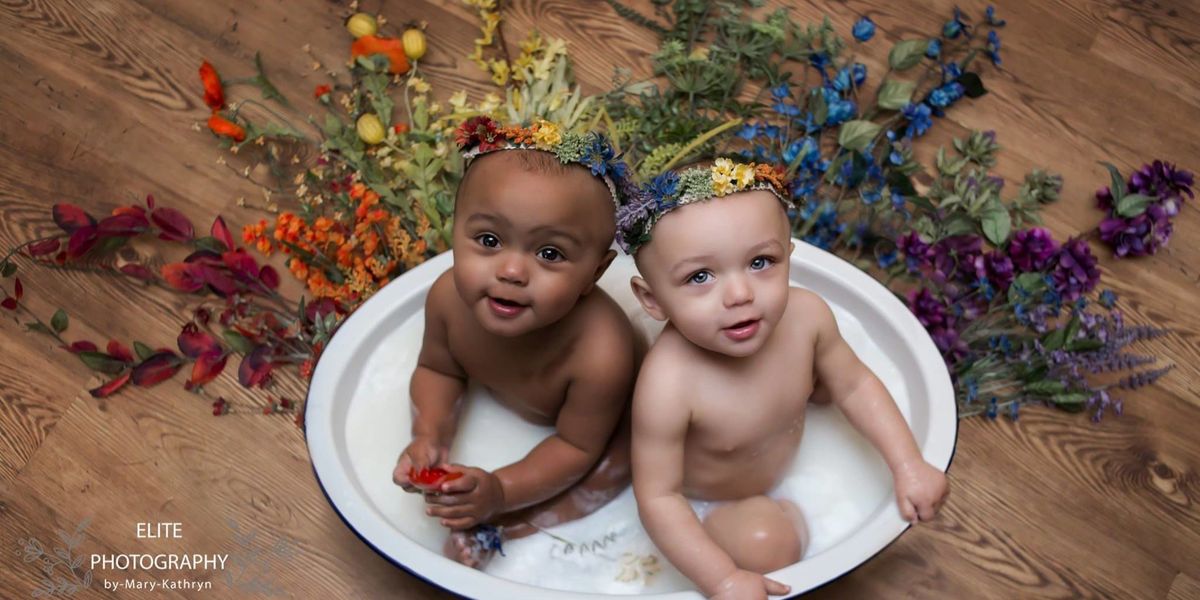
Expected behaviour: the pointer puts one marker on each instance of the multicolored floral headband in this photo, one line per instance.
(641, 210)
(483, 135)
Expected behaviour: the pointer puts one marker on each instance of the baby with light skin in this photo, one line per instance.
(719, 405)
(520, 314)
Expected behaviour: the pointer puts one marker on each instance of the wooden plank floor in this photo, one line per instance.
(97, 108)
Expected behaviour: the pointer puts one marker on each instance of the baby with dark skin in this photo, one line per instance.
(520, 314)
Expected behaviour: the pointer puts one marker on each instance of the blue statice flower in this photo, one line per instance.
(990, 16)
(870, 195)
(819, 61)
(598, 156)
(665, 185)
(919, 117)
(897, 200)
(887, 259)
(864, 29)
(748, 132)
(896, 158)
(972, 390)
(806, 148)
(934, 49)
(950, 72)
(956, 26)
(1108, 299)
(946, 95)
(772, 132)
(840, 110)
(826, 229)
(808, 122)
(859, 71)
(993, 47)
(781, 91)
(785, 109)
(841, 81)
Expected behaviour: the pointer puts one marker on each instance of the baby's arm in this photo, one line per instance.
(436, 389)
(862, 397)
(596, 398)
(660, 424)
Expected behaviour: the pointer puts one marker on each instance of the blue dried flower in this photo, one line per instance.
(993, 47)
(887, 259)
(950, 72)
(860, 73)
(990, 16)
(781, 91)
(864, 29)
(992, 409)
(919, 117)
(1108, 299)
(934, 49)
(1014, 410)
(748, 132)
(956, 26)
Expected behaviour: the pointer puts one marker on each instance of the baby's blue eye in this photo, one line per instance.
(699, 277)
(488, 240)
(760, 263)
(550, 254)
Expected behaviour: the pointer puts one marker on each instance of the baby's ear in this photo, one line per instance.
(645, 296)
(600, 269)
(791, 249)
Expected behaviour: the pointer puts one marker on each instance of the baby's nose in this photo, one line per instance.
(738, 292)
(512, 269)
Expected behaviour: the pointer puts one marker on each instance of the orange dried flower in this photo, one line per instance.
(393, 49)
(224, 127)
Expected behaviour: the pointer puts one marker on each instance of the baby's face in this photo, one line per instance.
(718, 270)
(528, 245)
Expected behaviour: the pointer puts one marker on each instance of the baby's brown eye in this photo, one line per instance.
(550, 254)
(488, 240)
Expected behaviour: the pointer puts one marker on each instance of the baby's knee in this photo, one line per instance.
(760, 534)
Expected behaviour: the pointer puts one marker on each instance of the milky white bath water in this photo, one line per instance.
(837, 479)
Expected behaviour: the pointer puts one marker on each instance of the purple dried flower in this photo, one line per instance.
(954, 258)
(997, 268)
(1032, 249)
(929, 310)
(1076, 272)
(952, 347)
(914, 249)
(1144, 378)
(1162, 180)
(1140, 236)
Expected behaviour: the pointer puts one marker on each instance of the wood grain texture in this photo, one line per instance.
(99, 104)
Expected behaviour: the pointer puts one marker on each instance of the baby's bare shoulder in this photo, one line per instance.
(664, 376)
(604, 339)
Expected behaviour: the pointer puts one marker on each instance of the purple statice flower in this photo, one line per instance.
(1138, 236)
(914, 249)
(996, 267)
(928, 309)
(1032, 249)
(1075, 271)
(952, 347)
(1162, 180)
(954, 257)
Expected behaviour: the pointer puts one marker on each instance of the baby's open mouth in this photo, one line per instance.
(742, 330)
(505, 308)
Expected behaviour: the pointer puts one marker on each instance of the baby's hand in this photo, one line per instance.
(421, 453)
(467, 501)
(920, 490)
(748, 585)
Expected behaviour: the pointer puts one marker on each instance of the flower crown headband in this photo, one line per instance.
(483, 135)
(644, 207)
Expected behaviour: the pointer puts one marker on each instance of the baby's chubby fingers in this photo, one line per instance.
(449, 512)
(907, 510)
(460, 485)
(459, 523)
(775, 588)
(438, 498)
